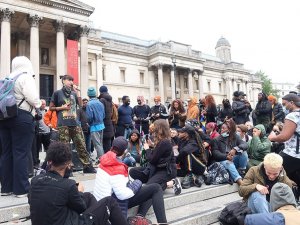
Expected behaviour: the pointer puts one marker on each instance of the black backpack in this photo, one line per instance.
(234, 214)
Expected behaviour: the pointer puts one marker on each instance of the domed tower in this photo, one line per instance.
(223, 50)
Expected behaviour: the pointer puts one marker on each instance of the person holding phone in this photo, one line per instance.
(259, 180)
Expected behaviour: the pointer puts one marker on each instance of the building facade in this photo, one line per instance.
(284, 88)
(129, 66)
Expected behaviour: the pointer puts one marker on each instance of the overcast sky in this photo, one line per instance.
(264, 35)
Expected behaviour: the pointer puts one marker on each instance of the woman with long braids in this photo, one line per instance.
(177, 115)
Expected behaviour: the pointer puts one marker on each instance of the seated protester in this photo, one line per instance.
(250, 128)
(277, 147)
(191, 157)
(211, 130)
(242, 131)
(174, 141)
(134, 149)
(259, 146)
(230, 150)
(112, 179)
(161, 166)
(283, 207)
(55, 200)
(259, 180)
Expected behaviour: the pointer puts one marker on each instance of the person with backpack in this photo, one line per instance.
(230, 150)
(259, 180)
(141, 116)
(17, 133)
(66, 102)
(109, 130)
(290, 134)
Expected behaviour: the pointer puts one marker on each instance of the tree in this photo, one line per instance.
(267, 86)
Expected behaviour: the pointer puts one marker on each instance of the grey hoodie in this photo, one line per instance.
(281, 195)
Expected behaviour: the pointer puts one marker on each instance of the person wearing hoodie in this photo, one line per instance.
(112, 179)
(192, 109)
(283, 207)
(259, 146)
(109, 131)
(17, 133)
(259, 180)
(263, 111)
(211, 130)
(95, 115)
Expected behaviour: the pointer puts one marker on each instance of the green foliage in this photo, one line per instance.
(267, 87)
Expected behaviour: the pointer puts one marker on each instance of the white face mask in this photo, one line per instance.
(225, 134)
(238, 133)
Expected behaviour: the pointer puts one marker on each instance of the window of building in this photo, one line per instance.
(208, 85)
(238, 87)
(185, 82)
(103, 72)
(90, 68)
(197, 84)
(122, 75)
(142, 78)
(46, 87)
(156, 79)
(220, 87)
(282, 93)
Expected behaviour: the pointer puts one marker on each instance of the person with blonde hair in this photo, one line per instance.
(259, 180)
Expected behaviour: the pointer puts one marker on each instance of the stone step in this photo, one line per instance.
(201, 212)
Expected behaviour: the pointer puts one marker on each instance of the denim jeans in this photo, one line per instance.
(234, 174)
(129, 161)
(127, 132)
(258, 203)
(240, 160)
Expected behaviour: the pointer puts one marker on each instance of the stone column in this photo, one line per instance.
(190, 82)
(60, 51)
(173, 84)
(151, 84)
(234, 85)
(6, 15)
(161, 83)
(244, 86)
(228, 87)
(99, 75)
(200, 84)
(34, 22)
(84, 78)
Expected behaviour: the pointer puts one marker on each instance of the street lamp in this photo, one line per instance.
(174, 67)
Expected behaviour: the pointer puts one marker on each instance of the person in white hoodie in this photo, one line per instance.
(112, 180)
(17, 133)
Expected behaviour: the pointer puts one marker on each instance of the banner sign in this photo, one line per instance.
(72, 62)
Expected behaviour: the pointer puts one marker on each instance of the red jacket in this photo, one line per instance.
(110, 164)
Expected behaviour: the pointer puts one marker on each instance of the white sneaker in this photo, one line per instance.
(176, 186)
(6, 194)
(21, 196)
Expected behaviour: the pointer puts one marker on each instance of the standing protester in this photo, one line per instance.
(17, 133)
(141, 115)
(95, 114)
(43, 137)
(82, 117)
(244, 99)
(240, 109)
(263, 111)
(109, 131)
(125, 122)
(290, 134)
(158, 111)
(210, 111)
(177, 115)
(277, 110)
(226, 111)
(65, 102)
(192, 109)
(55, 199)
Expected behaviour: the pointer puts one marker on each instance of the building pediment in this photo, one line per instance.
(69, 5)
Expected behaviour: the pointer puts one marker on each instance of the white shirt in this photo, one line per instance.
(290, 145)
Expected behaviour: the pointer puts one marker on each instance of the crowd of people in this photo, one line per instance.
(160, 143)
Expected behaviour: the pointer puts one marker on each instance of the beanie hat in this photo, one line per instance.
(281, 195)
(91, 92)
(103, 89)
(236, 94)
(120, 144)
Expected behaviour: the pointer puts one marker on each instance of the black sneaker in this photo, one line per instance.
(89, 169)
(187, 182)
(199, 181)
(176, 186)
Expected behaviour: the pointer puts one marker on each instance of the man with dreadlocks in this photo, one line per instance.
(191, 158)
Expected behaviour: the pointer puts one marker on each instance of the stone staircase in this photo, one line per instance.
(193, 206)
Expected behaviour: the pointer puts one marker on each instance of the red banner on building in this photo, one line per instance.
(72, 62)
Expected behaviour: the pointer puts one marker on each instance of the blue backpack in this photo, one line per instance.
(8, 105)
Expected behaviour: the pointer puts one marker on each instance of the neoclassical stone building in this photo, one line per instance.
(129, 66)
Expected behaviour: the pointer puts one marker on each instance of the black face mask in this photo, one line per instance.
(139, 102)
(127, 103)
(68, 172)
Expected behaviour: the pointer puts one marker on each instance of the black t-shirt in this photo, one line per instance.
(65, 117)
